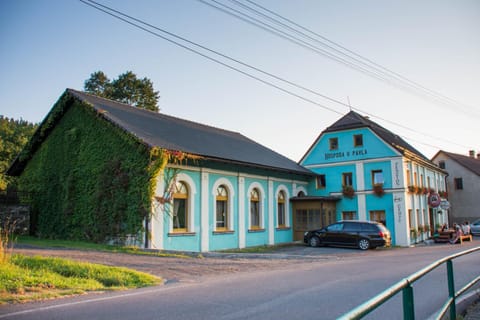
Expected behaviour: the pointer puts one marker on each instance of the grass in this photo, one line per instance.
(48, 243)
(25, 278)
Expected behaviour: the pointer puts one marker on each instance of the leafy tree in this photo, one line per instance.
(14, 134)
(127, 88)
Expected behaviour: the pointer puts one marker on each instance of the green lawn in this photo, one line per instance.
(24, 278)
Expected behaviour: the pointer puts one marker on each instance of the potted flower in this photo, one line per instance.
(412, 189)
(378, 189)
(348, 191)
(413, 233)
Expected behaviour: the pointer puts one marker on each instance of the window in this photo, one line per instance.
(222, 209)
(333, 143)
(348, 215)
(378, 216)
(255, 209)
(335, 227)
(281, 209)
(180, 212)
(409, 179)
(428, 183)
(347, 179)
(441, 164)
(377, 177)
(415, 179)
(321, 182)
(458, 183)
(411, 221)
(358, 140)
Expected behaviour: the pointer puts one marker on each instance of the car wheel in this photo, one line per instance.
(363, 244)
(314, 241)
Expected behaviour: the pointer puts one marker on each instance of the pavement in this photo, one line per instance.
(473, 312)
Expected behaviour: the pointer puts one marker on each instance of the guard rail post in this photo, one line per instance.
(408, 310)
(451, 289)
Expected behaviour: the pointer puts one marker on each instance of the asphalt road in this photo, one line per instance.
(322, 288)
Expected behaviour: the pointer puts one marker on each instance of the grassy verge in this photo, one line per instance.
(47, 243)
(25, 278)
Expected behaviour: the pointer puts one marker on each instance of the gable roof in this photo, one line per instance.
(354, 120)
(472, 164)
(167, 132)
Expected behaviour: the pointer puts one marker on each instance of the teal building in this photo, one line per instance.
(378, 176)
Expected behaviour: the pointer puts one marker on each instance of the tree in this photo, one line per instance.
(14, 134)
(127, 88)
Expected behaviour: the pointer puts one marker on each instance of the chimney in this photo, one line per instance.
(471, 153)
(478, 156)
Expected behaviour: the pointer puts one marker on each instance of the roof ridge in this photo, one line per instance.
(154, 113)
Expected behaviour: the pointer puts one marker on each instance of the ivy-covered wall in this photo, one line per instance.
(91, 180)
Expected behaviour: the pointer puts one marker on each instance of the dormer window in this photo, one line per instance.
(358, 140)
(333, 143)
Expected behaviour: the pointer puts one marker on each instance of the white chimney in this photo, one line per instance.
(471, 153)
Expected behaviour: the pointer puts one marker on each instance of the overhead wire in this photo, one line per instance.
(361, 59)
(124, 17)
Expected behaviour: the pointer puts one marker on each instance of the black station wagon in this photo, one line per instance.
(362, 234)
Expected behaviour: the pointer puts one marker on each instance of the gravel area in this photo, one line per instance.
(171, 269)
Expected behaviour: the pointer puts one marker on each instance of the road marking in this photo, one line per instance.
(68, 304)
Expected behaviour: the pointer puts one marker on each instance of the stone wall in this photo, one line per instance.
(15, 215)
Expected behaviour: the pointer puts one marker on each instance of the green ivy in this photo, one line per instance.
(91, 179)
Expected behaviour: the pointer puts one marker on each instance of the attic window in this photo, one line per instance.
(333, 143)
(441, 164)
(358, 140)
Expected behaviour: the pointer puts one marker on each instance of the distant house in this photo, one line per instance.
(463, 184)
(105, 171)
(378, 176)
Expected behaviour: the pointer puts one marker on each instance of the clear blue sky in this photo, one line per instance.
(47, 46)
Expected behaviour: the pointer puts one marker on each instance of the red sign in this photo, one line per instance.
(434, 200)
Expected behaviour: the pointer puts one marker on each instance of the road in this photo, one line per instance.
(322, 288)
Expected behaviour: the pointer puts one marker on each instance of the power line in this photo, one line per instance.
(117, 14)
(358, 62)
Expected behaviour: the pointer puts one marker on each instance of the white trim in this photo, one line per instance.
(231, 197)
(359, 176)
(192, 191)
(362, 207)
(241, 212)
(298, 189)
(204, 226)
(271, 221)
(156, 223)
(261, 204)
(335, 164)
(235, 174)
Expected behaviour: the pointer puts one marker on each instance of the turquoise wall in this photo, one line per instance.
(230, 240)
(373, 147)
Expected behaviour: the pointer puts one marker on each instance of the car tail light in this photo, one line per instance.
(382, 235)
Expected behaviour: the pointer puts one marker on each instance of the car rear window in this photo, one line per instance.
(352, 227)
(369, 227)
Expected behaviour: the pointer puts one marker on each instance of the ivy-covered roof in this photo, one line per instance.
(171, 133)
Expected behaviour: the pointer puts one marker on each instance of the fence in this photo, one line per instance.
(405, 286)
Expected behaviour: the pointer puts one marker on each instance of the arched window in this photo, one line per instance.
(222, 209)
(180, 207)
(281, 209)
(255, 209)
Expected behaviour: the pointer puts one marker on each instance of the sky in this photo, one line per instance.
(47, 46)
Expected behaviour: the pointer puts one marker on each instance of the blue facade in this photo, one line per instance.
(202, 232)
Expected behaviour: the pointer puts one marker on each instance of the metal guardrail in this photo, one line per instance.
(405, 286)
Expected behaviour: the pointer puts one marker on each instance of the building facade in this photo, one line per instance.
(90, 165)
(377, 176)
(463, 184)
